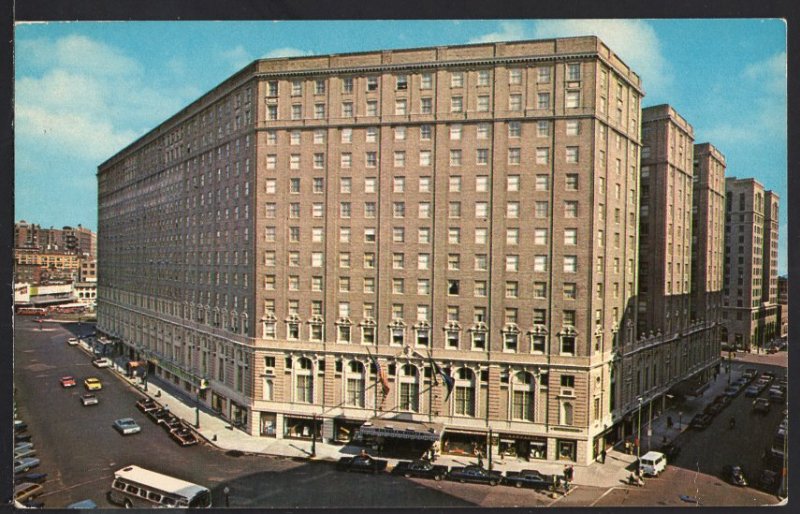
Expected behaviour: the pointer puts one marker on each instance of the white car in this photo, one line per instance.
(89, 399)
(102, 362)
(72, 341)
(127, 426)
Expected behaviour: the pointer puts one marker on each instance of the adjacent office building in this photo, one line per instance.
(751, 258)
(316, 226)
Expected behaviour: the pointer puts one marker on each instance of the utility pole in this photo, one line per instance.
(489, 448)
(314, 436)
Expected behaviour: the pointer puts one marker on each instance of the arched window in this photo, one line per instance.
(465, 392)
(266, 393)
(409, 388)
(355, 384)
(304, 381)
(523, 394)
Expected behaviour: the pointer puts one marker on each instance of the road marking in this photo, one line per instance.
(603, 495)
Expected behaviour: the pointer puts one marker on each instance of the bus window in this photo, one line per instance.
(132, 489)
(155, 497)
(168, 502)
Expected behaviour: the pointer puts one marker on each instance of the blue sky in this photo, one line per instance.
(85, 90)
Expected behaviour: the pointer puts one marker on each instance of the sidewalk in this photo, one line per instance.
(219, 432)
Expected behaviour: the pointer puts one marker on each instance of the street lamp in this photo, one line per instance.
(490, 448)
(314, 436)
(203, 386)
(639, 431)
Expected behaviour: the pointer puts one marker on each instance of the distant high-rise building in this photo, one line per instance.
(751, 253)
(708, 235)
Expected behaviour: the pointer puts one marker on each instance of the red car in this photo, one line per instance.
(67, 381)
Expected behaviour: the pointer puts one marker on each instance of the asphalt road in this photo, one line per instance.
(80, 450)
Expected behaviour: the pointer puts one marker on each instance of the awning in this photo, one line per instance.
(523, 437)
(396, 429)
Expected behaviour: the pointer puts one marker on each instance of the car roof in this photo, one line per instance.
(652, 455)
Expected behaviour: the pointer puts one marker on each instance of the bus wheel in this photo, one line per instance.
(127, 504)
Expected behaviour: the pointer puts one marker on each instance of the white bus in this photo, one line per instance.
(138, 487)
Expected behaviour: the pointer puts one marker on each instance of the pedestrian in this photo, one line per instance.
(480, 459)
(603, 455)
(566, 476)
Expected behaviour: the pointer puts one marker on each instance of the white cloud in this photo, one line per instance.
(635, 41)
(509, 31)
(79, 54)
(286, 52)
(769, 73)
(237, 57)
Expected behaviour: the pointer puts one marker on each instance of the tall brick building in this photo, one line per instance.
(751, 258)
(477, 203)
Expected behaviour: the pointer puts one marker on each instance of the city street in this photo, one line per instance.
(80, 450)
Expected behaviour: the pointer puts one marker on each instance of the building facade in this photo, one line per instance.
(751, 249)
(470, 206)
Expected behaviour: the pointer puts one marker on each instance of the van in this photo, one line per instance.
(652, 463)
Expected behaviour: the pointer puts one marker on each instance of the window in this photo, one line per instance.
(483, 103)
(481, 262)
(370, 235)
(319, 160)
(541, 209)
(270, 185)
(294, 161)
(272, 137)
(481, 236)
(572, 182)
(344, 259)
(398, 235)
(454, 262)
(401, 106)
(456, 104)
(424, 210)
(540, 263)
(425, 132)
(543, 75)
(272, 112)
(457, 79)
(515, 76)
(512, 183)
(345, 209)
(481, 184)
(399, 210)
(570, 209)
(570, 291)
(294, 210)
(423, 261)
(272, 88)
(573, 71)
(426, 105)
(540, 236)
(319, 111)
(371, 159)
(512, 210)
(370, 184)
(481, 210)
(512, 262)
(426, 81)
(572, 154)
(424, 235)
(568, 345)
(453, 287)
(397, 286)
(347, 110)
(572, 127)
(316, 259)
(297, 111)
(454, 210)
(541, 182)
(297, 88)
(542, 155)
(372, 108)
(483, 77)
(400, 133)
(482, 131)
(401, 82)
(514, 156)
(573, 99)
(347, 85)
(372, 83)
(514, 129)
(369, 260)
(570, 264)
(543, 101)
(425, 158)
(423, 286)
(455, 157)
(481, 288)
(570, 236)
(455, 132)
(454, 236)
(515, 102)
(512, 236)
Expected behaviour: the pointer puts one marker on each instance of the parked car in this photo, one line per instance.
(92, 384)
(723, 399)
(751, 373)
(732, 390)
(146, 405)
(23, 452)
(734, 474)
(89, 399)
(475, 473)
(183, 436)
(158, 414)
(700, 421)
(713, 408)
(67, 381)
(22, 446)
(169, 422)
(776, 393)
(769, 374)
(752, 391)
(420, 468)
(741, 381)
(126, 426)
(102, 362)
(364, 463)
(22, 438)
(36, 478)
(27, 490)
(761, 405)
(72, 341)
(530, 478)
(20, 426)
(25, 464)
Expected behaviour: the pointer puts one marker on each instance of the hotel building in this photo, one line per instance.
(476, 204)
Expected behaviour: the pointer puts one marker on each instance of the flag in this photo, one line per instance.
(448, 380)
(381, 375)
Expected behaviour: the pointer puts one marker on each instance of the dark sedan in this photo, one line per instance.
(700, 421)
(158, 414)
(475, 474)
(183, 436)
(362, 463)
(420, 468)
(530, 478)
